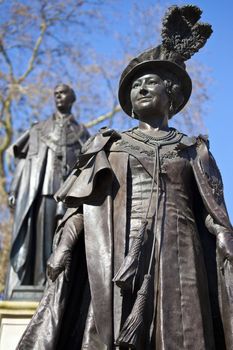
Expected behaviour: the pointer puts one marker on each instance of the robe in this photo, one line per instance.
(90, 305)
(44, 155)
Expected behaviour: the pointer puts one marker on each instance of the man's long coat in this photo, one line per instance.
(31, 154)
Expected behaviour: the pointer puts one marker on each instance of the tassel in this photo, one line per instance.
(125, 276)
(129, 334)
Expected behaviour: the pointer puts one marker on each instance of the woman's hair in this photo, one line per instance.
(174, 91)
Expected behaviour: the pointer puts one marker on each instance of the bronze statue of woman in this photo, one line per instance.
(143, 258)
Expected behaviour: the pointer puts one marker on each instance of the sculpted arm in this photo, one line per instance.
(210, 186)
(60, 259)
(12, 197)
(224, 238)
(19, 151)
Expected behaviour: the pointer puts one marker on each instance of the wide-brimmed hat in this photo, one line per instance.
(182, 36)
(151, 62)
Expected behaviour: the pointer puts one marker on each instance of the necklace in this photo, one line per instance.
(171, 137)
(171, 133)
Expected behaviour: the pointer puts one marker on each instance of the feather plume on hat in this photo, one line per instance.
(181, 32)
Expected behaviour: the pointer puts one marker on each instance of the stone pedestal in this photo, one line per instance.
(27, 293)
(14, 317)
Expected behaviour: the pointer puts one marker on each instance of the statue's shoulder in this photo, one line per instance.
(204, 153)
(100, 140)
(34, 125)
(203, 148)
(39, 125)
(205, 166)
(203, 140)
(193, 143)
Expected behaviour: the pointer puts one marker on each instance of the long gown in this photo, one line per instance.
(181, 310)
(182, 319)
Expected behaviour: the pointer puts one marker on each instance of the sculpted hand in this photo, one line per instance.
(11, 200)
(59, 261)
(225, 245)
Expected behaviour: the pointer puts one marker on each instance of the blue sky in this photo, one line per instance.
(217, 55)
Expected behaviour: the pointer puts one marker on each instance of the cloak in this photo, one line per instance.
(98, 184)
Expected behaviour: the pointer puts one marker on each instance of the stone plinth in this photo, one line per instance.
(14, 317)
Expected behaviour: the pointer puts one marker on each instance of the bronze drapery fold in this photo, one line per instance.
(189, 246)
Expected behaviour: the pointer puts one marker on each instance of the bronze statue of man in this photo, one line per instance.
(45, 155)
(135, 264)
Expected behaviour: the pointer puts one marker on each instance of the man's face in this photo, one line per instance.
(63, 98)
(148, 96)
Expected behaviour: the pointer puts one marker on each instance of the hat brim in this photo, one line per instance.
(154, 66)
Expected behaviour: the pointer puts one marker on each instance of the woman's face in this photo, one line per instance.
(149, 97)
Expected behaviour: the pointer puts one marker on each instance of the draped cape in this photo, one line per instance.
(98, 184)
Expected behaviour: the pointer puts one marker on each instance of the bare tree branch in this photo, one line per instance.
(7, 60)
(39, 40)
(8, 133)
(103, 117)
